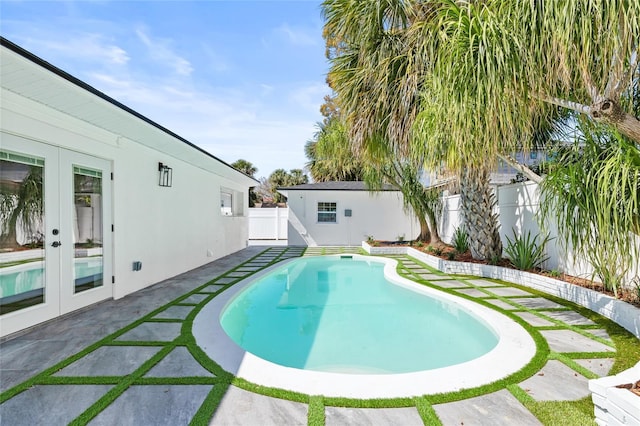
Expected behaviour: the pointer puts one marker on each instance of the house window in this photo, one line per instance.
(231, 202)
(226, 203)
(327, 212)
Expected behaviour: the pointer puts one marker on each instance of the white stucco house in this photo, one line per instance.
(125, 202)
(345, 214)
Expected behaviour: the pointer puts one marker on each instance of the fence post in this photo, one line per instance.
(277, 223)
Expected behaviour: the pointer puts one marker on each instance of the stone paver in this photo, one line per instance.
(175, 312)
(153, 331)
(534, 319)
(213, 288)
(502, 304)
(556, 382)
(178, 363)
(154, 405)
(338, 416)
(536, 302)
(599, 366)
(432, 277)
(110, 361)
(451, 284)
(568, 317)
(495, 409)
(508, 291)
(484, 283)
(225, 280)
(570, 341)
(195, 298)
(50, 405)
(473, 292)
(241, 407)
(599, 332)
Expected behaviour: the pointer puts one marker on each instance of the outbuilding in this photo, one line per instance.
(345, 214)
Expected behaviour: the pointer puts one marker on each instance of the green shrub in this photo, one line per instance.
(451, 255)
(525, 252)
(460, 240)
(437, 251)
(370, 239)
(430, 248)
(495, 259)
(400, 238)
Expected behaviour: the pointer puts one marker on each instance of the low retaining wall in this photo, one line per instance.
(626, 315)
(615, 406)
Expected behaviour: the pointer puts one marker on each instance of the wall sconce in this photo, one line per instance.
(165, 175)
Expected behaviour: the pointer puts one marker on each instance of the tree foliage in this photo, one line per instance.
(21, 206)
(280, 178)
(330, 155)
(245, 167)
(594, 195)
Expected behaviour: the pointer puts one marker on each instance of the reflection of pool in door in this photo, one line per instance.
(56, 236)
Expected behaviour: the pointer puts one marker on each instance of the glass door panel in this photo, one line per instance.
(85, 213)
(88, 229)
(29, 217)
(22, 277)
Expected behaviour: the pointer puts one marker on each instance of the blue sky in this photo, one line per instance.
(241, 79)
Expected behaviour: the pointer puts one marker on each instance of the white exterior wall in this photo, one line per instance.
(379, 214)
(517, 209)
(170, 230)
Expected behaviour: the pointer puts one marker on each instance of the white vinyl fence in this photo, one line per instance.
(517, 207)
(268, 224)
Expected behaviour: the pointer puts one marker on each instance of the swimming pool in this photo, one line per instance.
(513, 350)
(343, 315)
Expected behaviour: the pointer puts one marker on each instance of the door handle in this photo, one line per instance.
(56, 244)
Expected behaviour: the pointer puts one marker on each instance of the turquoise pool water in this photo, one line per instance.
(342, 315)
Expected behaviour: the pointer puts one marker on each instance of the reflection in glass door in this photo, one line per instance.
(55, 232)
(22, 254)
(88, 229)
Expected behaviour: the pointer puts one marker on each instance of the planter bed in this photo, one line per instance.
(626, 315)
(613, 405)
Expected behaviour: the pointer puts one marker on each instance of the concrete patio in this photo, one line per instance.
(140, 368)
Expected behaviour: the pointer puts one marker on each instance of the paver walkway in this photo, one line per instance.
(134, 360)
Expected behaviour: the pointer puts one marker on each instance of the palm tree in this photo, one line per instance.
(24, 204)
(379, 72)
(245, 167)
(499, 64)
(330, 155)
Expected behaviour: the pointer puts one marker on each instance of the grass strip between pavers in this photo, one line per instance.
(316, 415)
(626, 354)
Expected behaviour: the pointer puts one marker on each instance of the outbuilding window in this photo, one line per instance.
(327, 212)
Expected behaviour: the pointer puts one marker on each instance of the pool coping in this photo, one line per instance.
(514, 351)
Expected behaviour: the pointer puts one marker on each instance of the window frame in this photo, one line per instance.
(327, 205)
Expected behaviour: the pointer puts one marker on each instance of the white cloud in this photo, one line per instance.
(160, 51)
(86, 46)
(299, 36)
(229, 123)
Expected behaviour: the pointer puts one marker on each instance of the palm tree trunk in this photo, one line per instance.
(425, 234)
(477, 202)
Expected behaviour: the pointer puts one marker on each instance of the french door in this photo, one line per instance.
(55, 233)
